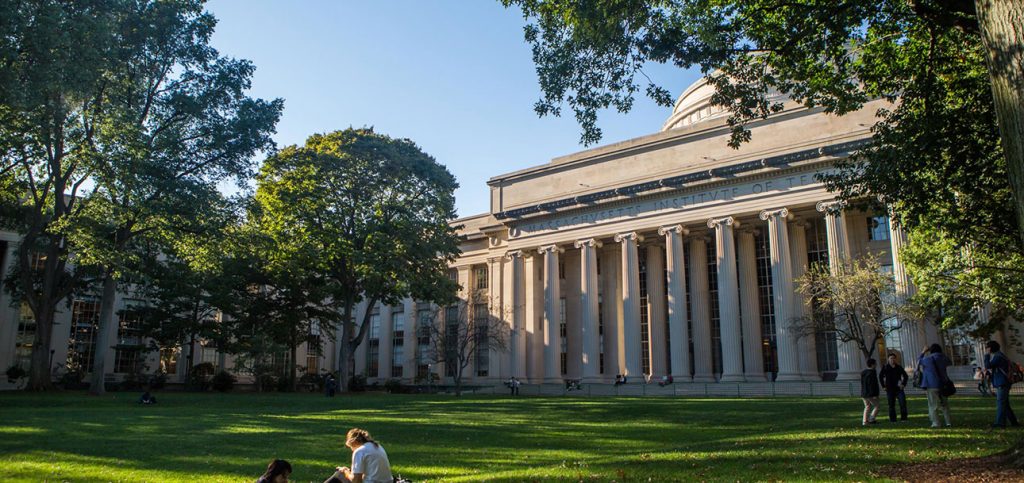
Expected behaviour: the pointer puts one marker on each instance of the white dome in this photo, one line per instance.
(694, 106)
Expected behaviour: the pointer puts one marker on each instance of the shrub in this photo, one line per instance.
(284, 384)
(357, 383)
(394, 386)
(158, 380)
(15, 372)
(223, 381)
(266, 382)
(311, 382)
(199, 378)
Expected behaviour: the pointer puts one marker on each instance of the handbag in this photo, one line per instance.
(918, 376)
(948, 388)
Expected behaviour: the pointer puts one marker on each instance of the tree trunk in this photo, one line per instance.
(293, 383)
(344, 348)
(106, 326)
(39, 376)
(1002, 32)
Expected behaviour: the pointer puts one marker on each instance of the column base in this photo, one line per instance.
(554, 380)
(791, 377)
(703, 378)
(756, 377)
(848, 376)
(732, 378)
(686, 378)
(812, 377)
(592, 380)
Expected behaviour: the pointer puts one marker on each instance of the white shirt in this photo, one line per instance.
(372, 461)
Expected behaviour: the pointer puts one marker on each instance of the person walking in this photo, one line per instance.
(869, 393)
(894, 380)
(933, 365)
(999, 365)
(982, 376)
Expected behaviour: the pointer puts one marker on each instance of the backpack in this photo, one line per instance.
(1016, 372)
(918, 376)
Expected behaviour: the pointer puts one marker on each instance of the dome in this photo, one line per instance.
(694, 106)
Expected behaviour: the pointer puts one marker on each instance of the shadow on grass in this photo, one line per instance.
(222, 437)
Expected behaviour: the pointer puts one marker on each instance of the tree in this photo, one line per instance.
(461, 339)
(827, 54)
(857, 302)
(144, 111)
(371, 213)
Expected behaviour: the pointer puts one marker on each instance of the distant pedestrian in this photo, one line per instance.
(933, 376)
(999, 365)
(869, 393)
(515, 386)
(894, 379)
(330, 385)
(147, 398)
(278, 471)
(984, 380)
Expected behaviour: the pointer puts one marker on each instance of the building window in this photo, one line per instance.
(766, 302)
(397, 341)
(26, 337)
(85, 317)
(314, 349)
(563, 341)
(716, 323)
(451, 339)
(645, 319)
(878, 228)
(426, 321)
(169, 360)
(480, 275)
(373, 347)
(129, 339)
(600, 332)
(689, 307)
(480, 321)
(561, 269)
(825, 342)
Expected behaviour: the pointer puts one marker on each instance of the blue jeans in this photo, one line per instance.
(893, 396)
(1003, 409)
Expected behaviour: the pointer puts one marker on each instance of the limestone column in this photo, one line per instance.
(533, 314)
(806, 344)
(700, 308)
(517, 329)
(728, 299)
(631, 303)
(386, 336)
(782, 294)
(750, 307)
(656, 323)
(677, 323)
(571, 285)
(589, 317)
(552, 314)
(912, 335)
(838, 256)
(10, 315)
(495, 291)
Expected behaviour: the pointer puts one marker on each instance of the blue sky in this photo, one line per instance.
(455, 76)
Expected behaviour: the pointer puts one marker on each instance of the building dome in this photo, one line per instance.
(694, 106)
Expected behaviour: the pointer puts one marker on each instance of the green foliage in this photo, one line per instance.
(357, 383)
(482, 438)
(15, 372)
(200, 375)
(223, 381)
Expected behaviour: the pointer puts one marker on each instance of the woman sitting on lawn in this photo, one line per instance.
(369, 461)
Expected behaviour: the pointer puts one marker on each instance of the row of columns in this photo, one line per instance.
(737, 297)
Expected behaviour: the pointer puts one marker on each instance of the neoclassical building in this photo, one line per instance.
(668, 254)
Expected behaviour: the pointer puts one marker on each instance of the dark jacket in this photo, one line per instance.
(933, 370)
(893, 378)
(868, 383)
(999, 364)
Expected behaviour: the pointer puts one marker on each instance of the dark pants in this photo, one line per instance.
(1003, 409)
(892, 396)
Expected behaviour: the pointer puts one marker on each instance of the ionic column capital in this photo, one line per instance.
(831, 207)
(633, 236)
(724, 221)
(779, 213)
(514, 254)
(679, 229)
(588, 242)
(550, 249)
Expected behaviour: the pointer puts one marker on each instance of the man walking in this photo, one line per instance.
(999, 365)
(869, 392)
(894, 380)
(933, 375)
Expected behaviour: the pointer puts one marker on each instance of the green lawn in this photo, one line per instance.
(231, 437)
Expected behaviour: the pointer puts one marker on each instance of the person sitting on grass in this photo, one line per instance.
(369, 461)
(278, 471)
(147, 398)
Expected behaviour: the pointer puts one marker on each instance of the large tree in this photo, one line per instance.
(835, 55)
(372, 212)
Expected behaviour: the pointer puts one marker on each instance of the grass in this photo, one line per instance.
(231, 437)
